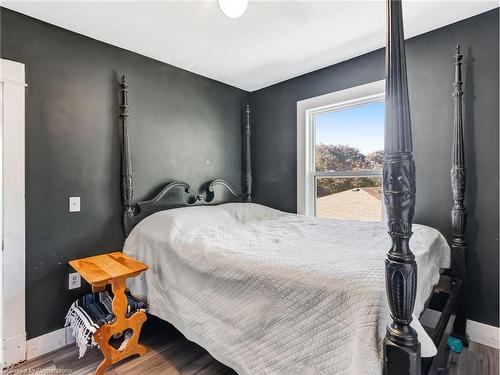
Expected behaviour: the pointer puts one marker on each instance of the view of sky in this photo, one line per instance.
(361, 127)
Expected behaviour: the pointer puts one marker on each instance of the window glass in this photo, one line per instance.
(348, 162)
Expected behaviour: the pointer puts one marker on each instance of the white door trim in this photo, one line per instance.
(12, 259)
(370, 92)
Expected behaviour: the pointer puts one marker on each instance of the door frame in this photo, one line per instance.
(12, 203)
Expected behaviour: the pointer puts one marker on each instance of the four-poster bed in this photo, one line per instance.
(401, 346)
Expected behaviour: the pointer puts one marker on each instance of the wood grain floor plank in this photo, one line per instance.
(477, 359)
(170, 353)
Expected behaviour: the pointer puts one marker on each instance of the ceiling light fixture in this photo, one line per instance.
(233, 8)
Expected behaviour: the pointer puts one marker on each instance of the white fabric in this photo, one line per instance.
(267, 292)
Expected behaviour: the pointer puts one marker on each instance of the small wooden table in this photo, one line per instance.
(114, 268)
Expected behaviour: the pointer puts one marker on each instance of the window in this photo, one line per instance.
(340, 152)
(348, 156)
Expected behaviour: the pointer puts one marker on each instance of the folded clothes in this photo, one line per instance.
(91, 311)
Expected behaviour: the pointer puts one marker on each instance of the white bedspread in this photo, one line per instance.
(267, 292)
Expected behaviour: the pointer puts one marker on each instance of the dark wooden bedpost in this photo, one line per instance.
(127, 178)
(248, 155)
(458, 212)
(401, 346)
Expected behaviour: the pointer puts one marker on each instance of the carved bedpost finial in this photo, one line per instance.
(248, 155)
(127, 178)
(457, 59)
(401, 346)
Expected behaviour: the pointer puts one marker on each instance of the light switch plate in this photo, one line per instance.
(74, 204)
(75, 280)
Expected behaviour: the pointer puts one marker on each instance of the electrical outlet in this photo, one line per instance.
(75, 280)
(74, 204)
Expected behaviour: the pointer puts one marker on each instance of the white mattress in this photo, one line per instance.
(267, 292)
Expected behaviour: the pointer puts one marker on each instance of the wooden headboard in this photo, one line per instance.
(175, 194)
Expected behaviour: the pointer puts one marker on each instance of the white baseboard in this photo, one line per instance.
(484, 334)
(49, 342)
(478, 332)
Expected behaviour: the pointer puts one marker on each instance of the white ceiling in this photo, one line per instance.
(273, 41)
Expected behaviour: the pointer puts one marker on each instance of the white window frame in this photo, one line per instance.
(306, 109)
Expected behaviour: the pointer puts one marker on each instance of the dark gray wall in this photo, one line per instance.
(179, 122)
(430, 73)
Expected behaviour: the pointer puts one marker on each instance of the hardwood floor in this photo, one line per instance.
(476, 359)
(169, 353)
